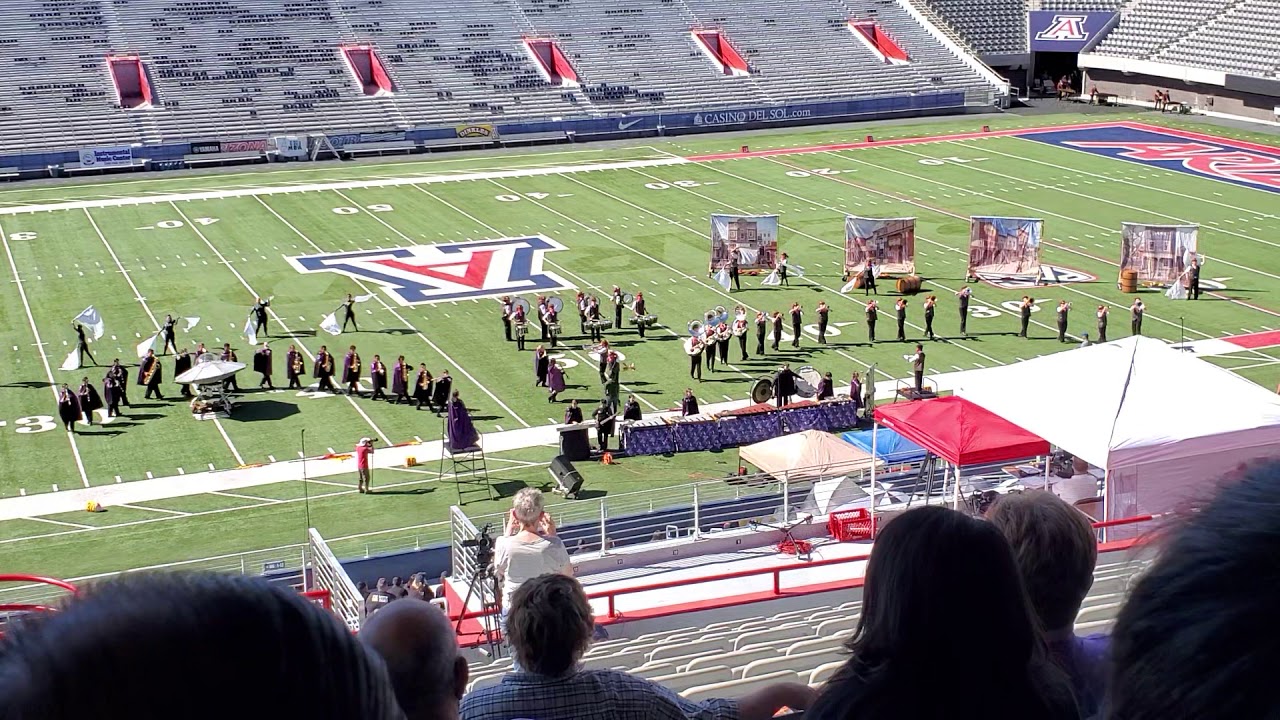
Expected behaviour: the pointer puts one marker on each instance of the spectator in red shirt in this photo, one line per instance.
(364, 454)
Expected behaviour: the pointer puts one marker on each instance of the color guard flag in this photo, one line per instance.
(849, 285)
(364, 298)
(795, 270)
(73, 360)
(145, 345)
(191, 322)
(250, 332)
(92, 319)
(722, 278)
(330, 324)
(772, 279)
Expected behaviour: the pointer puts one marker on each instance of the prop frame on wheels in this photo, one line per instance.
(755, 238)
(891, 242)
(1004, 247)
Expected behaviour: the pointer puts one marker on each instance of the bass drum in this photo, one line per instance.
(807, 381)
(762, 391)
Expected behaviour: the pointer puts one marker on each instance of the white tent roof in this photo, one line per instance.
(806, 455)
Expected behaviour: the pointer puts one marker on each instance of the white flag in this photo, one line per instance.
(92, 319)
(145, 345)
(330, 324)
(722, 278)
(796, 270)
(772, 279)
(73, 360)
(191, 322)
(849, 285)
(1176, 290)
(250, 331)
(364, 298)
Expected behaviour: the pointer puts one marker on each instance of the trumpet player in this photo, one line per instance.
(351, 371)
(929, 302)
(873, 313)
(1064, 309)
(1024, 314)
(1102, 323)
(323, 369)
(740, 331)
(150, 375)
(777, 329)
(293, 367)
(762, 328)
(797, 318)
(693, 348)
(823, 311)
(900, 308)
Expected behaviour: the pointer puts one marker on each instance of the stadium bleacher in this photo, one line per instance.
(993, 27)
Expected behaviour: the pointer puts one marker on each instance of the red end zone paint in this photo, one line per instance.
(1192, 135)
(903, 141)
(1253, 341)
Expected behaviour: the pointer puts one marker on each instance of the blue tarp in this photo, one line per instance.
(890, 446)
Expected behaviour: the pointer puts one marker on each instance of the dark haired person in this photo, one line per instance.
(420, 650)
(932, 574)
(550, 626)
(1055, 550)
(164, 645)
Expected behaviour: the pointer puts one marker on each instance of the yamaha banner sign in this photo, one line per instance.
(1066, 31)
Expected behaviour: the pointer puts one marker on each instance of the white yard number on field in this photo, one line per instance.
(171, 224)
(816, 171)
(35, 424)
(944, 161)
(23, 236)
(377, 207)
(982, 311)
(674, 183)
(518, 198)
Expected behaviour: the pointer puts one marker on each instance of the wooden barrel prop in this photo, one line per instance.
(909, 284)
(1129, 281)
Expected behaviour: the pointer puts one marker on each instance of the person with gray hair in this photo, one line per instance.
(529, 548)
(420, 650)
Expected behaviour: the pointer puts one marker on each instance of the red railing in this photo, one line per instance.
(33, 607)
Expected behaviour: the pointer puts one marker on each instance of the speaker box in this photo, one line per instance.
(568, 480)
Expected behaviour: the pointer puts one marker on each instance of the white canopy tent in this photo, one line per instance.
(1163, 423)
(808, 455)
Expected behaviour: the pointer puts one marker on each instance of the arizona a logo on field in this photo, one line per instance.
(453, 271)
(1065, 28)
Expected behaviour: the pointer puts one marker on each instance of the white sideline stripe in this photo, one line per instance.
(56, 522)
(347, 185)
(53, 384)
(165, 511)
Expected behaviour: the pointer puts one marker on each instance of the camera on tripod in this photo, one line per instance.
(483, 544)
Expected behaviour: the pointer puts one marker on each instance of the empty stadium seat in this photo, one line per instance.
(740, 687)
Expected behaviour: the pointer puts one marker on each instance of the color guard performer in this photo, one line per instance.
(259, 311)
(639, 308)
(555, 380)
(869, 277)
(349, 313)
(540, 366)
(150, 375)
(422, 386)
(929, 302)
(762, 328)
(873, 313)
(784, 385)
(262, 364)
(777, 329)
(964, 293)
(917, 367)
(1064, 308)
(901, 309)
(182, 363)
(507, 311)
(82, 343)
(1193, 292)
(1102, 323)
(782, 270)
(1136, 311)
(351, 371)
(1024, 313)
(323, 369)
(378, 377)
(693, 348)
(89, 400)
(688, 404)
(616, 299)
(293, 368)
(740, 332)
(797, 320)
(229, 355)
(167, 336)
(709, 347)
(400, 381)
(826, 389)
(121, 376)
(733, 267)
(444, 386)
(855, 391)
(68, 408)
(823, 312)
(723, 333)
(111, 395)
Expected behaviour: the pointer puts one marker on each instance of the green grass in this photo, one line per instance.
(616, 231)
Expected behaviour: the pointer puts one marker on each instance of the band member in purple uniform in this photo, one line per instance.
(440, 397)
(229, 355)
(121, 377)
(262, 365)
(823, 312)
(150, 375)
(540, 366)
(89, 400)
(294, 368)
(323, 369)
(826, 389)
(351, 366)
(378, 377)
(111, 394)
(555, 380)
(423, 384)
(400, 380)
(689, 404)
(68, 408)
(182, 363)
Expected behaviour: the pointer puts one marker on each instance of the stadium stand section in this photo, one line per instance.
(233, 69)
(1241, 37)
(989, 27)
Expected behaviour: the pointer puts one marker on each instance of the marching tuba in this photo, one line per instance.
(695, 328)
(693, 345)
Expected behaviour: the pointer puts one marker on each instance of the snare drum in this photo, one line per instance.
(522, 329)
(553, 328)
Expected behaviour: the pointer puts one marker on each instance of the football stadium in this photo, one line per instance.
(646, 358)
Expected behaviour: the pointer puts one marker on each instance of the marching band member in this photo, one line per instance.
(762, 327)
(604, 416)
(593, 318)
(440, 397)
(777, 329)
(507, 312)
(581, 302)
(167, 336)
(709, 347)
(111, 394)
(89, 400)
(323, 369)
(901, 308)
(929, 302)
(351, 371)
(823, 312)
(693, 348)
(1102, 323)
(82, 343)
(826, 390)
(150, 375)
(259, 311)
(784, 385)
(1136, 312)
(293, 368)
(631, 411)
(573, 413)
(797, 314)
(550, 317)
(722, 342)
(68, 408)
(869, 277)
(782, 270)
(229, 355)
(181, 364)
(1024, 314)
(1064, 308)
(121, 376)
(349, 313)
(262, 364)
(611, 381)
(917, 367)
(639, 308)
(378, 377)
(855, 391)
(542, 317)
(521, 322)
(422, 386)
(740, 330)
(616, 298)
(964, 294)
(602, 357)
(555, 380)
(1193, 289)
(873, 313)
(400, 380)
(540, 366)
(733, 267)
(689, 404)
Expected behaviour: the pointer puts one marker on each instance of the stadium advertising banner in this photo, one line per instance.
(753, 237)
(1002, 247)
(1066, 31)
(891, 242)
(1159, 253)
(477, 130)
(290, 146)
(106, 157)
(236, 146)
(211, 147)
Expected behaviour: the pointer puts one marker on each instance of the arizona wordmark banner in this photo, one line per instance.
(1159, 253)
(890, 242)
(1004, 246)
(754, 238)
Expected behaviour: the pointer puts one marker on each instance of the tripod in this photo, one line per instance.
(488, 593)
(789, 544)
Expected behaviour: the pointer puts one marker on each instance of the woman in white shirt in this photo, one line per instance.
(530, 547)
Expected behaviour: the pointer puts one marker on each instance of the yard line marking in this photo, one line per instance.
(279, 319)
(151, 509)
(56, 522)
(245, 497)
(53, 384)
(391, 309)
(137, 295)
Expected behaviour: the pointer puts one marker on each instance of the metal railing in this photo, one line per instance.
(381, 542)
(326, 574)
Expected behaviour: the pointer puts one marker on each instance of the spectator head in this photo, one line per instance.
(382, 585)
(1055, 550)
(363, 588)
(396, 581)
(189, 639)
(527, 507)
(549, 625)
(1196, 638)
(420, 651)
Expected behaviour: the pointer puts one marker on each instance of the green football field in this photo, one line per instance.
(633, 215)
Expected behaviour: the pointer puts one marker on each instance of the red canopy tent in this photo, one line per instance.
(960, 432)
